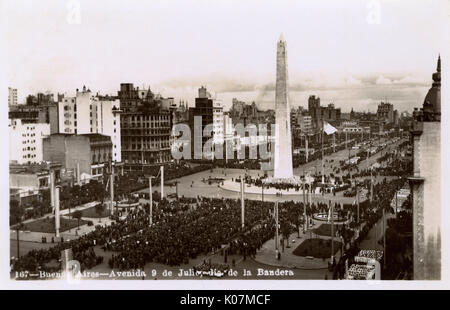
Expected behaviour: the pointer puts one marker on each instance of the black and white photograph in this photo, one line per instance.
(212, 141)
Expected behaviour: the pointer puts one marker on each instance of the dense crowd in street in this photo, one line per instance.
(187, 228)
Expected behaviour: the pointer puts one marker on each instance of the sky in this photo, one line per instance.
(353, 53)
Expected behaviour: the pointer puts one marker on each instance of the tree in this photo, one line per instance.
(286, 230)
(15, 212)
(99, 210)
(78, 214)
(295, 217)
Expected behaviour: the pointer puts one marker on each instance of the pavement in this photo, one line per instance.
(267, 255)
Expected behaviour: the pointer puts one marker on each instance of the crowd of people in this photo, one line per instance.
(176, 238)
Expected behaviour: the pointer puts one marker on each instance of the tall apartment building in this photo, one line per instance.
(145, 128)
(86, 114)
(425, 184)
(218, 122)
(12, 97)
(210, 112)
(25, 141)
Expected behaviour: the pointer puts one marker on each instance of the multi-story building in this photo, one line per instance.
(86, 156)
(25, 141)
(385, 112)
(145, 128)
(12, 97)
(203, 111)
(39, 99)
(218, 122)
(210, 112)
(319, 113)
(396, 118)
(425, 184)
(303, 121)
(85, 114)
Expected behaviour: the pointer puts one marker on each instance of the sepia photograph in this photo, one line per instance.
(224, 140)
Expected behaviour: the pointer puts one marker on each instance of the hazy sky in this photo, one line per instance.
(336, 49)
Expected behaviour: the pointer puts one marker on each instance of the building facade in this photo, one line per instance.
(86, 156)
(320, 113)
(146, 128)
(208, 111)
(12, 96)
(25, 141)
(86, 114)
(425, 184)
(385, 112)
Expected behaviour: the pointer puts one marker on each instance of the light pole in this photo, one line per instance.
(242, 203)
(57, 223)
(304, 207)
(276, 226)
(151, 199)
(330, 206)
(162, 182)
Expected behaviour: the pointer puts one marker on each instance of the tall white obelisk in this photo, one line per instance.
(283, 148)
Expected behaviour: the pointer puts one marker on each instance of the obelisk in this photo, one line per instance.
(283, 149)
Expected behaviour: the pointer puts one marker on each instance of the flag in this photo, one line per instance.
(328, 128)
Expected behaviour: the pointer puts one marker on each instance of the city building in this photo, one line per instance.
(12, 97)
(425, 184)
(85, 156)
(25, 141)
(39, 99)
(180, 113)
(145, 127)
(26, 182)
(243, 113)
(320, 113)
(385, 112)
(85, 114)
(210, 112)
(218, 122)
(396, 118)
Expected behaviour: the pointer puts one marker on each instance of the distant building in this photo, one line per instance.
(25, 141)
(396, 118)
(243, 113)
(85, 156)
(305, 123)
(385, 112)
(204, 111)
(146, 127)
(320, 113)
(12, 97)
(218, 125)
(180, 113)
(425, 184)
(39, 99)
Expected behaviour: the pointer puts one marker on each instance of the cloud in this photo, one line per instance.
(383, 81)
(352, 81)
(412, 81)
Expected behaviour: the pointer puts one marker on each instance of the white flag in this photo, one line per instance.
(328, 128)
